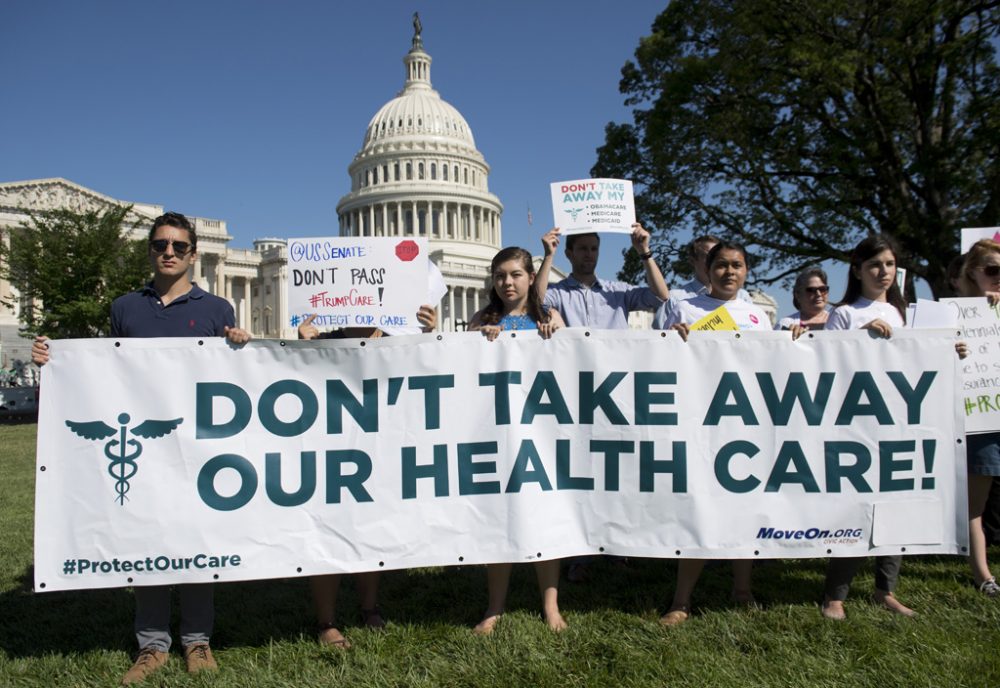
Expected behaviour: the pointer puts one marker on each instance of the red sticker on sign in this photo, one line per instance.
(407, 250)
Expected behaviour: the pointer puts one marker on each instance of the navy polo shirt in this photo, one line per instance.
(195, 314)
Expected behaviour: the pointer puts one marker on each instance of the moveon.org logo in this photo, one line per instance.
(807, 533)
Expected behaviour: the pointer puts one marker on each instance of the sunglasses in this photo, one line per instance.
(818, 290)
(180, 247)
(991, 270)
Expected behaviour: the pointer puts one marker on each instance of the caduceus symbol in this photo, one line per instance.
(573, 212)
(122, 451)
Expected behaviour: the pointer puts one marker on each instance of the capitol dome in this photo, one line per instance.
(419, 114)
(419, 173)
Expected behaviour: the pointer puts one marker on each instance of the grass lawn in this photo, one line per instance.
(264, 634)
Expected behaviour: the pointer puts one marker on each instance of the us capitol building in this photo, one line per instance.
(418, 173)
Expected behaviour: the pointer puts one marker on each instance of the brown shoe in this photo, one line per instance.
(198, 657)
(148, 661)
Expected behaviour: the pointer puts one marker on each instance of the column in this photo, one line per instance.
(465, 305)
(371, 220)
(281, 306)
(475, 300)
(245, 305)
(451, 309)
(385, 219)
(220, 279)
(453, 226)
(416, 221)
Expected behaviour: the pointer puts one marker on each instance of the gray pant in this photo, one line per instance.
(152, 615)
(840, 573)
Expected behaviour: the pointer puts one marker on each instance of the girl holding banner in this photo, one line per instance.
(514, 305)
(872, 301)
(980, 276)
(325, 588)
(727, 271)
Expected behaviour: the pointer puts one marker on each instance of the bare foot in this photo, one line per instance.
(330, 636)
(486, 626)
(889, 601)
(556, 622)
(675, 617)
(834, 610)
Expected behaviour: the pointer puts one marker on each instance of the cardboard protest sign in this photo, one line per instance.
(357, 281)
(971, 235)
(979, 328)
(717, 320)
(582, 206)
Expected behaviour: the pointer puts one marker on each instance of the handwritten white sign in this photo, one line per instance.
(979, 326)
(581, 206)
(357, 281)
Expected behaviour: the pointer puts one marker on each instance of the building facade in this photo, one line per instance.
(252, 280)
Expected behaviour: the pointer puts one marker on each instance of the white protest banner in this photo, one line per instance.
(293, 458)
(979, 328)
(971, 235)
(357, 281)
(581, 206)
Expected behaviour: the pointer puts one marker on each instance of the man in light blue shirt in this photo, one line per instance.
(584, 300)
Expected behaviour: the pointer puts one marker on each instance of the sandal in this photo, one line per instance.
(329, 635)
(675, 617)
(989, 587)
(372, 618)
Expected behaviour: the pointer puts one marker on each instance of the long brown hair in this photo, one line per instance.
(494, 310)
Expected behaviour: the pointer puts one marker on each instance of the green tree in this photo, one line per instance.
(801, 126)
(70, 267)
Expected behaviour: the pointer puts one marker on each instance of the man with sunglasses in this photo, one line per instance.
(171, 305)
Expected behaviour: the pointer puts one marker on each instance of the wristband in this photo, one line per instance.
(646, 256)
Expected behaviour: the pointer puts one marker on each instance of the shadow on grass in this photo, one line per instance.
(253, 614)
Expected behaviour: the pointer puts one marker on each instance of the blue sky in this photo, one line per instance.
(251, 111)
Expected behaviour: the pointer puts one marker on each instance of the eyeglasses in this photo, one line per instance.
(818, 290)
(991, 270)
(180, 247)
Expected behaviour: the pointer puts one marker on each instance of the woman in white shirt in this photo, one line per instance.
(727, 267)
(872, 301)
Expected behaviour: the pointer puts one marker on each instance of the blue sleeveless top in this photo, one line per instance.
(517, 322)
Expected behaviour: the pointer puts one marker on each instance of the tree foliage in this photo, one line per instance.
(69, 267)
(801, 126)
